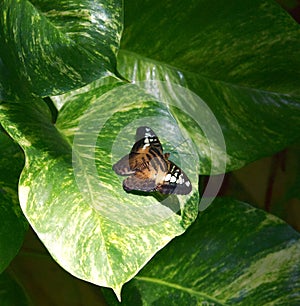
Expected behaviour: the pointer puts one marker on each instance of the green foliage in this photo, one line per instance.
(212, 81)
(54, 46)
(238, 262)
(13, 225)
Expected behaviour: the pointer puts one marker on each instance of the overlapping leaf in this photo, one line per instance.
(254, 123)
(254, 44)
(68, 191)
(232, 255)
(74, 200)
(216, 53)
(54, 46)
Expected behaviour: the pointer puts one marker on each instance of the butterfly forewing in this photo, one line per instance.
(146, 138)
(149, 169)
(122, 166)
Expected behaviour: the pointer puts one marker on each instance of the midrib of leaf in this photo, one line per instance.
(172, 68)
(178, 287)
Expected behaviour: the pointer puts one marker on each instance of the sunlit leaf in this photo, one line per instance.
(74, 200)
(215, 66)
(54, 46)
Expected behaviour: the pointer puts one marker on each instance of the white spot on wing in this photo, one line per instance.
(168, 176)
(180, 179)
(173, 179)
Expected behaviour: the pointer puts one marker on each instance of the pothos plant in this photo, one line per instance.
(219, 84)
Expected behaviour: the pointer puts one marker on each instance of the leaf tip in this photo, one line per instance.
(117, 292)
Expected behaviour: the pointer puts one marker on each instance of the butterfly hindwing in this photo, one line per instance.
(134, 182)
(175, 181)
(149, 169)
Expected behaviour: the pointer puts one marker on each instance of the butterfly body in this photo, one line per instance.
(149, 169)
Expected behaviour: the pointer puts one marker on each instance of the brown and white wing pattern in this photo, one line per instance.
(149, 169)
(175, 181)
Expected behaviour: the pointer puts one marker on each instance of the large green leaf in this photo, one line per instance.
(70, 194)
(254, 123)
(12, 222)
(68, 190)
(232, 255)
(251, 43)
(215, 54)
(54, 46)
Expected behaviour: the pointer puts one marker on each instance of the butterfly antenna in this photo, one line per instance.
(175, 147)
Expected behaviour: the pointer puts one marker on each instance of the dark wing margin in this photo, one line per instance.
(146, 138)
(142, 131)
(122, 166)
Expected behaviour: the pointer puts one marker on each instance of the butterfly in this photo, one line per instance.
(149, 169)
